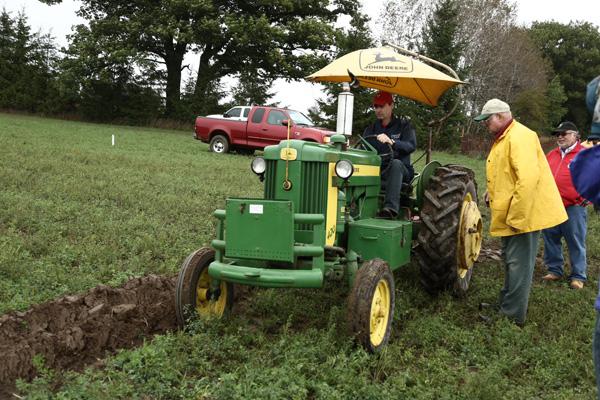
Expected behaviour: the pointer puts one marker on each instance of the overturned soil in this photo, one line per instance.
(75, 331)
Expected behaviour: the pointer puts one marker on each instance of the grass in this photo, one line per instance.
(77, 212)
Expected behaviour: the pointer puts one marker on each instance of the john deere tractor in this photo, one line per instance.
(318, 221)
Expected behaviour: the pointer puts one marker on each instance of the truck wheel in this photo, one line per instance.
(192, 292)
(371, 305)
(219, 144)
(449, 240)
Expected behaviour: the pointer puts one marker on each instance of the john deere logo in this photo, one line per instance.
(380, 57)
(375, 61)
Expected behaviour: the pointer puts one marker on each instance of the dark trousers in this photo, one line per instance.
(519, 259)
(391, 180)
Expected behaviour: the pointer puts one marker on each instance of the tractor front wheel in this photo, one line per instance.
(450, 237)
(371, 305)
(193, 292)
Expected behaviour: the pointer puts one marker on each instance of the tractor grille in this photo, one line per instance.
(270, 179)
(311, 195)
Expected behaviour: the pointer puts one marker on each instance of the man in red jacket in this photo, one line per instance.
(574, 229)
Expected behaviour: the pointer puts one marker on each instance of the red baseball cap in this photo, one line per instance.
(382, 98)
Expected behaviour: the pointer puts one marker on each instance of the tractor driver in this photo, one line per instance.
(394, 139)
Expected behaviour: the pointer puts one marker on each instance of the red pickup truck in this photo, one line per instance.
(263, 128)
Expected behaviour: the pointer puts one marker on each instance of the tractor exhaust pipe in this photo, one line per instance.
(345, 111)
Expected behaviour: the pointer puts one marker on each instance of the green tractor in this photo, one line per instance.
(318, 221)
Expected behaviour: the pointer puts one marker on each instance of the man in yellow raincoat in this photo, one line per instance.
(523, 199)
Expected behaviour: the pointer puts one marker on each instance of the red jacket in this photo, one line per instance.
(560, 169)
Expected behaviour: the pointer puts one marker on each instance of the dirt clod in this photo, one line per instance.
(77, 330)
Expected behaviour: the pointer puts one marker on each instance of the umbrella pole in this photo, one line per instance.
(428, 158)
(452, 72)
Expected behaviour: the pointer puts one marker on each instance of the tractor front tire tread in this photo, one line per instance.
(185, 289)
(360, 300)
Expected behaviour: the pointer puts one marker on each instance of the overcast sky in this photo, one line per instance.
(58, 20)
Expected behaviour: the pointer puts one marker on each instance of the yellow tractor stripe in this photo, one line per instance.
(332, 197)
(365, 170)
(332, 200)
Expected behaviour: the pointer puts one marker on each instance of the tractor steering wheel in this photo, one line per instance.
(387, 157)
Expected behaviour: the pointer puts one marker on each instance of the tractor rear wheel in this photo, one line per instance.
(193, 293)
(371, 305)
(450, 237)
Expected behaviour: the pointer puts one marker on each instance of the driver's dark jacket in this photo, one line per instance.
(403, 133)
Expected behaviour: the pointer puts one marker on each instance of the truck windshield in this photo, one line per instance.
(299, 118)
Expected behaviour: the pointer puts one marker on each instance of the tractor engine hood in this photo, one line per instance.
(299, 150)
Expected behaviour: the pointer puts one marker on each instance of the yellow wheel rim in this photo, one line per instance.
(470, 236)
(380, 312)
(204, 306)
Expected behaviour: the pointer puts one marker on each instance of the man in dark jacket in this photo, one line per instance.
(574, 229)
(395, 139)
(592, 101)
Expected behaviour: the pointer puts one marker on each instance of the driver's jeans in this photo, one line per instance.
(391, 181)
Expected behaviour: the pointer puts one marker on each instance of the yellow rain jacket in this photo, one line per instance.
(523, 194)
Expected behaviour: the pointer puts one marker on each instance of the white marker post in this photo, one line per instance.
(113, 140)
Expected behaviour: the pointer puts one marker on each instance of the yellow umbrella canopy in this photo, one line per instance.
(384, 69)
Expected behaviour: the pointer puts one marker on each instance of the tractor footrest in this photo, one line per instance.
(266, 277)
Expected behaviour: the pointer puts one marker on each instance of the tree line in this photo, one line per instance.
(127, 64)
(541, 70)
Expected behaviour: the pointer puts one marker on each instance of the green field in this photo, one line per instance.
(77, 212)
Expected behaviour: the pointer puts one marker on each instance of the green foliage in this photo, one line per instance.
(440, 37)
(108, 85)
(27, 66)
(541, 110)
(78, 212)
(253, 88)
(84, 82)
(109, 101)
(555, 93)
(271, 39)
(325, 114)
(188, 108)
(574, 52)
(530, 108)
(441, 42)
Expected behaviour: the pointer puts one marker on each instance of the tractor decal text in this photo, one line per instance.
(331, 232)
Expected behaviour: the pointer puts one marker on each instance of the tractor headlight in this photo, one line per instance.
(344, 169)
(258, 166)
